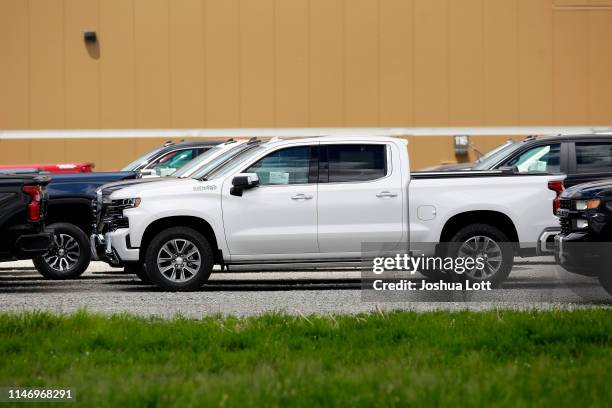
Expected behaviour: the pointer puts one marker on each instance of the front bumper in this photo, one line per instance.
(577, 253)
(114, 247)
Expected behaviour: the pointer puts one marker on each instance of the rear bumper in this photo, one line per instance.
(546, 241)
(30, 245)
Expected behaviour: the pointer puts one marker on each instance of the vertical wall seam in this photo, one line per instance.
(588, 67)
(65, 97)
(239, 31)
(134, 62)
(378, 56)
(98, 62)
(309, 63)
(344, 65)
(169, 66)
(518, 60)
(274, 67)
(448, 66)
(29, 64)
(483, 106)
(412, 63)
(552, 70)
(204, 120)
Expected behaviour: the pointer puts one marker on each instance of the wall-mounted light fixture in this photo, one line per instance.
(461, 144)
(90, 37)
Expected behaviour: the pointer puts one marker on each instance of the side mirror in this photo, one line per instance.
(243, 181)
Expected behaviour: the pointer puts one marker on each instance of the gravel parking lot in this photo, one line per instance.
(534, 284)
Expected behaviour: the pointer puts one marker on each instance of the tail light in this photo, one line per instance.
(35, 193)
(557, 187)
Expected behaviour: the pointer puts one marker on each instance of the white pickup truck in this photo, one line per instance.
(317, 200)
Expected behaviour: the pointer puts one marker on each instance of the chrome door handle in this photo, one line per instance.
(301, 197)
(384, 194)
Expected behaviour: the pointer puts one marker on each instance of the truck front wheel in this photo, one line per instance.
(179, 259)
(490, 245)
(70, 255)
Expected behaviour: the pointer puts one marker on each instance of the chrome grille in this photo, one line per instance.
(566, 225)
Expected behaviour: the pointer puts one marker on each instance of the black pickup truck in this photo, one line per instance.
(23, 201)
(584, 245)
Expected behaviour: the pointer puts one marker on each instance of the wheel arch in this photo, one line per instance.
(73, 211)
(493, 218)
(196, 223)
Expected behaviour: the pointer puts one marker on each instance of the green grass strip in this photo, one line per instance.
(502, 358)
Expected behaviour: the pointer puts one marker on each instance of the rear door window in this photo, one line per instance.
(355, 162)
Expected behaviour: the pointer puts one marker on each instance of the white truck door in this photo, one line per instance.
(360, 197)
(278, 218)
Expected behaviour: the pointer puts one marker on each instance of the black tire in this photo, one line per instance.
(51, 265)
(605, 279)
(138, 269)
(495, 235)
(201, 271)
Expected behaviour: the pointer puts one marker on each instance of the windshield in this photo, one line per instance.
(194, 164)
(490, 159)
(142, 160)
(229, 162)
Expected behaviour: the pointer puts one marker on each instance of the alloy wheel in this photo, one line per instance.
(65, 253)
(486, 248)
(179, 260)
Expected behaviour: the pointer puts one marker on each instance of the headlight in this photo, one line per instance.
(582, 224)
(128, 203)
(587, 204)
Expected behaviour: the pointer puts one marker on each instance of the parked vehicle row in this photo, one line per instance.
(316, 201)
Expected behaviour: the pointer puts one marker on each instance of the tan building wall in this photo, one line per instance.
(297, 63)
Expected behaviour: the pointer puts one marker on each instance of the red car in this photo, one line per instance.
(62, 168)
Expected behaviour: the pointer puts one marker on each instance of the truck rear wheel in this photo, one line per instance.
(179, 259)
(70, 255)
(484, 241)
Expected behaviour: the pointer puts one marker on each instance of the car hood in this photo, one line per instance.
(95, 177)
(164, 187)
(596, 189)
(125, 183)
